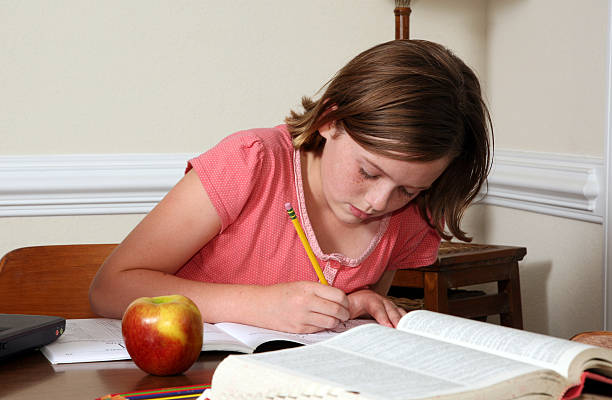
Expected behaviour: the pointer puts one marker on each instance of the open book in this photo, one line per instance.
(429, 356)
(100, 339)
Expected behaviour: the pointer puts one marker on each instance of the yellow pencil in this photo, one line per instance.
(300, 232)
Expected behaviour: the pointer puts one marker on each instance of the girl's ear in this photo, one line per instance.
(328, 130)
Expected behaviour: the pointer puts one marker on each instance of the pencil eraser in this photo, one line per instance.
(288, 206)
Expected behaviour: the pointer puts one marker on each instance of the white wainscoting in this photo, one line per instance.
(554, 184)
(84, 184)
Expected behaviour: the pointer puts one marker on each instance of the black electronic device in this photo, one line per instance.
(19, 332)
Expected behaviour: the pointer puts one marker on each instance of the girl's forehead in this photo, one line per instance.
(372, 152)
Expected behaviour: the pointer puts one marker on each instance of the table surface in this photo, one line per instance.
(30, 376)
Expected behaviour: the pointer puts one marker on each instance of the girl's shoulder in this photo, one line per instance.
(409, 213)
(415, 242)
(408, 221)
(267, 138)
(248, 149)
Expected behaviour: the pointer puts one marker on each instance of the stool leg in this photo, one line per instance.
(512, 287)
(435, 293)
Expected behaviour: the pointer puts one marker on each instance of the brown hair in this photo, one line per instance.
(410, 100)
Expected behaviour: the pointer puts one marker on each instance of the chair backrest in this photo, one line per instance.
(50, 280)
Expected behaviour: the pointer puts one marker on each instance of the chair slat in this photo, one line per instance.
(50, 280)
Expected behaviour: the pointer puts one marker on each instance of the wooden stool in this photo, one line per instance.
(464, 264)
(595, 338)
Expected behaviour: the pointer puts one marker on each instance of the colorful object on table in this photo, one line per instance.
(300, 232)
(178, 393)
(163, 334)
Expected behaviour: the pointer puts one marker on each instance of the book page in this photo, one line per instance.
(216, 339)
(86, 340)
(380, 362)
(254, 336)
(545, 351)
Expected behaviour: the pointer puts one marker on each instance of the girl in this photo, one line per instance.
(395, 149)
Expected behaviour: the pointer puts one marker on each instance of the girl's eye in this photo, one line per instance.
(365, 174)
(405, 192)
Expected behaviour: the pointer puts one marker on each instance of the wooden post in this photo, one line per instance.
(402, 19)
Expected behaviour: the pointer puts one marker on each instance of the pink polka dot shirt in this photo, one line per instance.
(249, 176)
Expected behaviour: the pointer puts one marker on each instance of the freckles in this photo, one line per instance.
(355, 182)
(348, 184)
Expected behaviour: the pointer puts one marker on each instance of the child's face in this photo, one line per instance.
(359, 185)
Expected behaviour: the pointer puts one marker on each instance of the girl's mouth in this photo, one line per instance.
(358, 213)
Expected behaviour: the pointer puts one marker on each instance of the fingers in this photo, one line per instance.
(383, 310)
(394, 312)
(329, 307)
(306, 307)
(389, 314)
(382, 313)
(317, 322)
(331, 293)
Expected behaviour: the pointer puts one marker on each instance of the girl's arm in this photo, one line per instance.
(374, 303)
(185, 220)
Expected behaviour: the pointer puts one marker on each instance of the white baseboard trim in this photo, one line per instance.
(90, 184)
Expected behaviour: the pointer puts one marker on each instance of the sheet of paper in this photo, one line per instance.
(86, 340)
(100, 339)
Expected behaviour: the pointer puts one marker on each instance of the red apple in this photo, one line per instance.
(163, 334)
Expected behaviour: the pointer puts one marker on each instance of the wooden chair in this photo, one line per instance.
(50, 280)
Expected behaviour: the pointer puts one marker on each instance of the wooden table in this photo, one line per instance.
(29, 376)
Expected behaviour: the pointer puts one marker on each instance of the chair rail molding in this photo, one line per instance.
(555, 184)
(88, 184)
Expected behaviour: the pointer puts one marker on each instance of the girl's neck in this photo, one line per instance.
(311, 181)
(332, 234)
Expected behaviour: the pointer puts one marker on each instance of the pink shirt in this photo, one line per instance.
(249, 176)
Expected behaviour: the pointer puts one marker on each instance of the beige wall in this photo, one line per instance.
(546, 70)
(167, 76)
(561, 275)
(176, 76)
(546, 80)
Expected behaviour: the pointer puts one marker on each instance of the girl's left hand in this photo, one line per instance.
(383, 310)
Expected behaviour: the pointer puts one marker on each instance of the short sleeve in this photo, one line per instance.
(229, 173)
(417, 244)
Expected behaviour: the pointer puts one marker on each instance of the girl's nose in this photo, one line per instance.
(378, 197)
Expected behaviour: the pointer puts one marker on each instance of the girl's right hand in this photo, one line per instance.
(304, 307)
